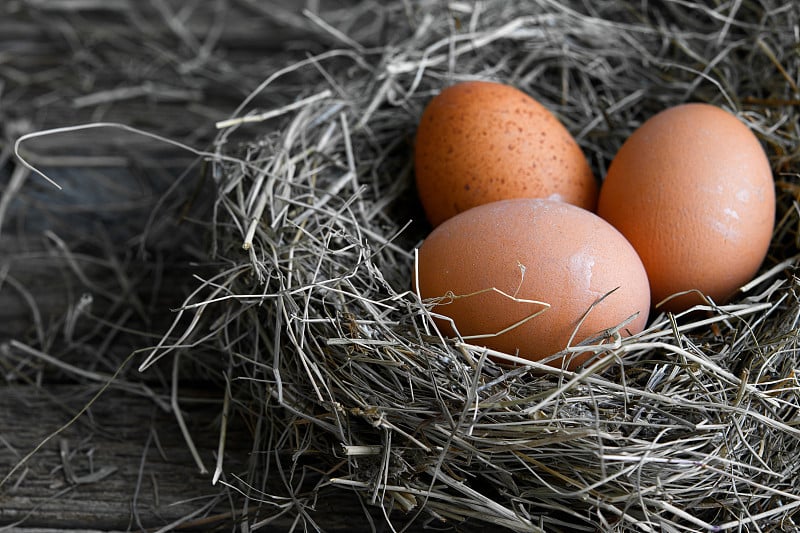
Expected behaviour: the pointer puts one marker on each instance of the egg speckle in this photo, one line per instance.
(692, 190)
(500, 142)
(519, 275)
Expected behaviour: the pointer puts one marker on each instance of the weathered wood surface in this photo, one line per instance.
(123, 465)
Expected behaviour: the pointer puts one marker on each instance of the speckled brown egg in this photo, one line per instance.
(479, 142)
(692, 190)
(518, 275)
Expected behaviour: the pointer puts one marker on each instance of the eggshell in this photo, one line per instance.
(492, 263)
(478, 142)
(693, 191)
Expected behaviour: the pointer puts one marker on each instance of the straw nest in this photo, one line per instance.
(337, 366)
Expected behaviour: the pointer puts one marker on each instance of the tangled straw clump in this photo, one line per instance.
(337, 367)
(690, 425)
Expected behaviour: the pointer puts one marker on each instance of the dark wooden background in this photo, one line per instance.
(123, 466)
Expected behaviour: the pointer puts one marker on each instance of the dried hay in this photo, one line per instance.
(689, 426)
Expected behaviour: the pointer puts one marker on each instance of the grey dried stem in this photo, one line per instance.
(690, 425)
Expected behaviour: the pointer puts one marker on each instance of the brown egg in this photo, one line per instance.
(479, 142)
(693, 191)
(518, 275)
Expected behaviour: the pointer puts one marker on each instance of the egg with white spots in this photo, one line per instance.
(530, 277)
(692, 190)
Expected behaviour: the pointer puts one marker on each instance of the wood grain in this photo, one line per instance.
(124, 465)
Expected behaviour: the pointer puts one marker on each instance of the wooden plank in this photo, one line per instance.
(125, 465)
(122, 464)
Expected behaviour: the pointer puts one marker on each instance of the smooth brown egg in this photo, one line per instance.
(479, 142)
(519, 275)
(692, 190)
